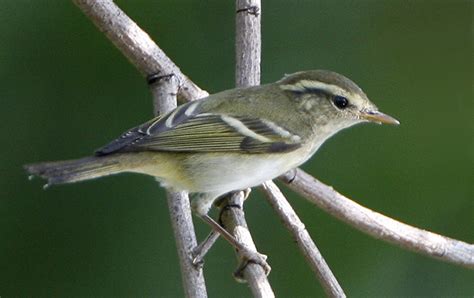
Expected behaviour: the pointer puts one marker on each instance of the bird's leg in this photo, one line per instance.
(203, 248)
(247, 254)
(232, 214)
(201, 203)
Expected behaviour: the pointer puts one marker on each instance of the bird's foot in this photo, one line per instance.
(248, 256)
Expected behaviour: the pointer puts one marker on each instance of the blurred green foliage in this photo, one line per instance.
(65, 90)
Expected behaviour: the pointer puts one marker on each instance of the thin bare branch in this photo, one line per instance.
(164, 90)
(194, 284)
(378, 225)
(233, 220)
(298, 230)
(248, 42)
(247, 73)
(136, 44)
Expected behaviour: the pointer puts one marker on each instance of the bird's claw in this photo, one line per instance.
(250, 256)
(197, 260)
(247, 192)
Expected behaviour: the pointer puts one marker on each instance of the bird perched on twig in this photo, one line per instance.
(230, 140)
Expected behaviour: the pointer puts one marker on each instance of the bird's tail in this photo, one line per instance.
(68, 171)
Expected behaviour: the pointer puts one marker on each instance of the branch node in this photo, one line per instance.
(230, 206)
(156, 77)
(250, 10)
(239, 272)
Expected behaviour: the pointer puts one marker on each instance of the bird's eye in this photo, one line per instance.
(341, 102)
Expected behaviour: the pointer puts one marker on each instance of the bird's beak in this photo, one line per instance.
(378, 117)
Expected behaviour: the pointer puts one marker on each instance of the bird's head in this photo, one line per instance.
(334, 101)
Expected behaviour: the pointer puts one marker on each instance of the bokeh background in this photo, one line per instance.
(65, 90)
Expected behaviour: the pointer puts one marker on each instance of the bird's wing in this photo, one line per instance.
(186, 130)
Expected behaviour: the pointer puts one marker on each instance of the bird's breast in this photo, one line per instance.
(224, 172)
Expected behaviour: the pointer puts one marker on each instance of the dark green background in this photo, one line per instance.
(65, 90)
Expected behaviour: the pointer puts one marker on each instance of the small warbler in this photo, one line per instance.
(230, 140)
